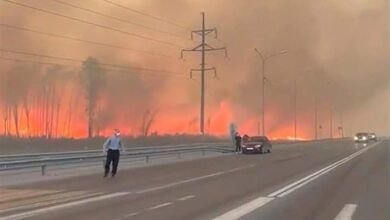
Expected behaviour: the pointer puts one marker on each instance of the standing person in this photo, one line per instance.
(232, 132)
(245, 138)
(238, 139)
(112, 146)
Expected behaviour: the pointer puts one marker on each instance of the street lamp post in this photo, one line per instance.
(331, 123)
(342, 124)
(295, 109)
(330, 114)
(263, 62)
(320, 127)
(341, 131)
(315, 117)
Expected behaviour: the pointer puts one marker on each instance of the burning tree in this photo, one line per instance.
(147, 121)
(93, 80)
(15, 88)
(52, 96)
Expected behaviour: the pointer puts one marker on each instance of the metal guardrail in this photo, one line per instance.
(13, 157)
(45, 162)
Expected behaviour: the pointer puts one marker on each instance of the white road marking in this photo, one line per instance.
(347, 212)
(261, 201)
(245, 209)
(47, 203)
(299, 183)
(240, 168)
(61, 206)
(15, 194)
(192, 180)
(160, 206)
(178, 183)
(80, 202)
(131, 214)
(52, 197)
(186, 198)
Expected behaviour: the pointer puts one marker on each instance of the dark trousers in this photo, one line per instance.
(238, 147)
(112, 155)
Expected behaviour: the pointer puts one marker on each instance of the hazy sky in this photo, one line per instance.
(337, 52)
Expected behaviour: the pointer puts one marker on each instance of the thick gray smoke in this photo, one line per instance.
(337, 53)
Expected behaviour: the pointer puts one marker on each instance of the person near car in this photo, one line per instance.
(238, 140)
(112, 148)
(245, 138)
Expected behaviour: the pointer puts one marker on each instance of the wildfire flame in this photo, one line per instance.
(165, 123)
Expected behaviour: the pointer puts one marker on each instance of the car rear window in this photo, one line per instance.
(257, 139)
(361, 134)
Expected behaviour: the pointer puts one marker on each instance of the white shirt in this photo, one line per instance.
(113, 143)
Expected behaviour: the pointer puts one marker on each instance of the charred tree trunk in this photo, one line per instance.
(5, 118)
(39, 107)
(93, 78)
(91, 114)
(16, 119)
(147, 122)
(58, 110)
(9, 113)
(36, 112)
(58, 117)
(143, 125)
(69, 120)
(46, 111)
(27, 113)
(52, 111)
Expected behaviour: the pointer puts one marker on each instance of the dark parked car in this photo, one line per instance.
(256, 144)
(362, 137)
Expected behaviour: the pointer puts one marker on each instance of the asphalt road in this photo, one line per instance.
(309, 181)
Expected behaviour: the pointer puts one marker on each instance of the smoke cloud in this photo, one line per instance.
(337, 54)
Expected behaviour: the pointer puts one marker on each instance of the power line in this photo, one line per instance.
(94, 24)
(81, 61)
(203, 47)
(221, 41)
(148, 15)
(119, 19)
(82, 40)
(79, 67)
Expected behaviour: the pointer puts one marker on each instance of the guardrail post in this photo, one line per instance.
(204, 152)
(179, 155)
(147, 158)
(43, 169)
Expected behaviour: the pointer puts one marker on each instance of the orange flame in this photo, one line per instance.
(174, 122)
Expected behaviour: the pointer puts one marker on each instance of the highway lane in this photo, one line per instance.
(61, 171)
(207, 188)
(358, 190)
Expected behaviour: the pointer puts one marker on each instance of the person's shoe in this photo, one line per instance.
(113, 175)
(105, 175)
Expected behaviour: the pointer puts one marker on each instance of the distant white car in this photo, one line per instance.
(362, 137)
(373, 137)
